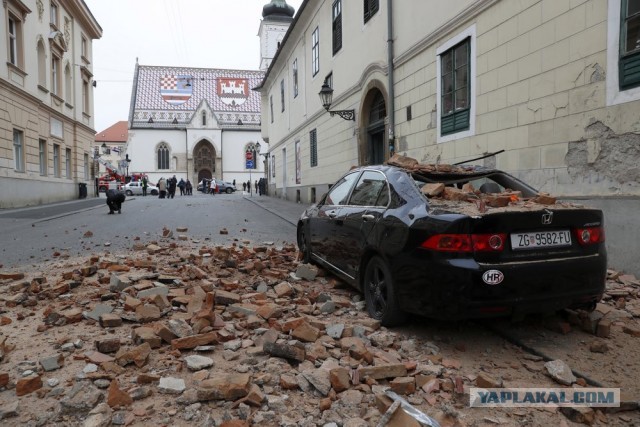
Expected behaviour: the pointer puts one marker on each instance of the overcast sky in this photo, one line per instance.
(189, 33)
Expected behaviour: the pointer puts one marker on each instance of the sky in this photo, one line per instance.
(183, 33)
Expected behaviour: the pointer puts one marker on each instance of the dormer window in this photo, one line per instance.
(204, 118)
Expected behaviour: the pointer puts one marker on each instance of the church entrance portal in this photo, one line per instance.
(204, 160)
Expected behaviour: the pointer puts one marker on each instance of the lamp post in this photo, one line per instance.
(326, 97)
(128, 160)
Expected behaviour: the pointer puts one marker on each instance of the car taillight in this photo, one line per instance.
(466, 242)
(590, 235)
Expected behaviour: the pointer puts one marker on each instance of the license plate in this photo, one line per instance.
(541, 239)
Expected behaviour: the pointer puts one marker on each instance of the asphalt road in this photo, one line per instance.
(33, 235)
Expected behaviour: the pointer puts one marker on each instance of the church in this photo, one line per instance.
(199, 123)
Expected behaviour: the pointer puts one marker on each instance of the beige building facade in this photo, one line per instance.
(555, 84)
(46, 100)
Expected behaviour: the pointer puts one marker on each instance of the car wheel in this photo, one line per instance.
(154, 192)
(129, 193)
(379, 293)
(102, 189)
(303, 244)
(229, 190)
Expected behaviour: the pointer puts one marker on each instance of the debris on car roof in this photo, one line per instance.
(448, 197)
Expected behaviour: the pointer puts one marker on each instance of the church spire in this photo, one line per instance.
(277, 8)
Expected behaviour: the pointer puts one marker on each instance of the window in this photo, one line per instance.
(55, 75)
(42, 65)
(15, 40)
(85, 97)
(455, 85)
(204, 118)
(67, 162)
(313, 147)
(86, 166)
(53, 14)
(271, 107)
(315, 52)
(43, 156)
(273, 166)
(56, 160)
(629, 68)
(282, 94)
(337, 25)
(84, 48)
(371, 190)
(295, 77)
(163, 157)
(370, 8)
(340, 191)
(68, 87)
(18, 150)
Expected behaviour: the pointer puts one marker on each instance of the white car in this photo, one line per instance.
(134, 188)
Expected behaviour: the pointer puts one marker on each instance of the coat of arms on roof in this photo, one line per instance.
(176, 90)
(233, 92)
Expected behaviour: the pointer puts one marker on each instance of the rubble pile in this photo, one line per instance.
(180, 333)
(449, 197)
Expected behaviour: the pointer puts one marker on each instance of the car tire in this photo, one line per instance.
(129, 193)
(303, 244)
(380, 294)
(229, 190)
(154, 192)
(102, 189)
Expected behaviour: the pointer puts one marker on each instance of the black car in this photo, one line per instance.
(486, 245)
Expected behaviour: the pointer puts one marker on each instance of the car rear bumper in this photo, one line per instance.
(455, 288)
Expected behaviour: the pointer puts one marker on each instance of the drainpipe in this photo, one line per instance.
(186, 151)
(392, 95)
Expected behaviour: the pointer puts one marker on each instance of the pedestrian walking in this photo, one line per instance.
(114, 200)
(256, 186)
(162, 188)
(181, 186)
(145, 185)
(189, 188)
(244, 186)
(249, 186)
(173, 182)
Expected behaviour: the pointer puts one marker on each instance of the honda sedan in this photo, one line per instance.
(454, 242)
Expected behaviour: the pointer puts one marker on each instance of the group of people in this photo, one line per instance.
(167, 188)
(260, 186)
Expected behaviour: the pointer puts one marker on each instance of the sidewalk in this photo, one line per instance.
(285, 209)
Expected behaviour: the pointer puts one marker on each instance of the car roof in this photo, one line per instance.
(435, 172)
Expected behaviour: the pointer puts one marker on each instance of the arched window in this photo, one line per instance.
(42, 65)
(204, 118)
(163, 157)
(67, 84)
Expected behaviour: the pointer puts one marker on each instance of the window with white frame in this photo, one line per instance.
(14, 34)
(18, 150)
(85, 97)
(336, 16)
(295, 77)
(456, 86)
(84, 48)
(67, 162)
(56, 160)
(42, 147)
(53, 16)
(315, 52)
(55, 75)
(163, 157)
(629, 63)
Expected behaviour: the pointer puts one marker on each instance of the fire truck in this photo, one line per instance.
(112, 179)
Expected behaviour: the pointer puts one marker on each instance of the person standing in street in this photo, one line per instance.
(181, 186)
(244, 186)
(173, 182)
(249, 186)
(189, 188)
(145, 185)
(162, 188)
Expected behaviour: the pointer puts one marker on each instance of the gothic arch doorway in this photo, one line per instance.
(204, 160)
(373, 147)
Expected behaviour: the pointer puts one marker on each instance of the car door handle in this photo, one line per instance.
(368, 217)
(332, 214)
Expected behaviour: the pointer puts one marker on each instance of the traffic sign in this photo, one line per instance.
(249, 164)
(249, 155)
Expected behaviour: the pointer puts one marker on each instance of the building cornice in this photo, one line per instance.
(456, 22)
(79, 10)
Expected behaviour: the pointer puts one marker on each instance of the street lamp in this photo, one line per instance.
(326, 97)
(128, 160)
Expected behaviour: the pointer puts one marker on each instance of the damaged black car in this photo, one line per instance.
(454, 242)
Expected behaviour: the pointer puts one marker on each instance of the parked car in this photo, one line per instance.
(135, 188)
(223, 186)
(457, 254)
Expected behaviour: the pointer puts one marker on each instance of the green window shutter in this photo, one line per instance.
(455, 122)
(630, 71)
(313, 148)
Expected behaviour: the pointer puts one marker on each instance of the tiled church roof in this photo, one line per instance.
(159, 94)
